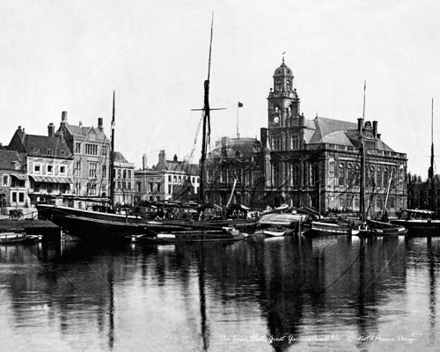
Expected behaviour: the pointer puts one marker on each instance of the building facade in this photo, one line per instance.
(91, 157)
(14, 181)
(124, 180)
(424, 194)
(316, 163)
(48, 163)
(168, 179)
(234, 171)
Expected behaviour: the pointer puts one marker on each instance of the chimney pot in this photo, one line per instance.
(100, 123)
(51, 130)
(375, 129)
(64, 116)
(144, 161)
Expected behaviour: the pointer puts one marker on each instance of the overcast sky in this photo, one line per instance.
(70, 55)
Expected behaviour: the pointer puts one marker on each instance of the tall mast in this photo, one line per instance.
(431, 168)
(362, 175)
(112, 156)
(206, 122)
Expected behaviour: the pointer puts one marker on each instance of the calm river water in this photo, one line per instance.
(282, 294)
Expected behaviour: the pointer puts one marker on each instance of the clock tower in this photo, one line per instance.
(283, 101)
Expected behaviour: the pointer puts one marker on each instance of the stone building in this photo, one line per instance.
(234, 171)
(316, 163)
(124, 180)
(168, 179)
(91, 157)
(48, 163)
(13, 181)
(420, 193)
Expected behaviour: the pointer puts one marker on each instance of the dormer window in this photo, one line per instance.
(50, 152)
(36, 151)
(61, 152)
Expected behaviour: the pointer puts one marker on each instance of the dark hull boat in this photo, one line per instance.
(383, 229)
(100, 226)
(419, 222)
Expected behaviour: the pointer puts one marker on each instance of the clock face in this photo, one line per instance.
(276, 119)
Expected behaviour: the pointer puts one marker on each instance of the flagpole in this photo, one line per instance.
(239, 105)
(238, 109)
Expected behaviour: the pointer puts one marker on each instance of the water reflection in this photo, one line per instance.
(259, 295)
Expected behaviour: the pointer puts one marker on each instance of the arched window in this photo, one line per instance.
(379, 177)
(341, 174)
(350, 174)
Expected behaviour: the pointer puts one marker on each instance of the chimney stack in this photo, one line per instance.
(144, 161)
(175, 157)
(360, 123)
(100, 123)
(51, 130)
(374, 129)
(64, 117)
(162, 156)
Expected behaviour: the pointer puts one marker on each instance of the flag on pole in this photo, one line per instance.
(240, 105)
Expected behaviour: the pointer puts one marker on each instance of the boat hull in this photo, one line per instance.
(331, 228)
(98, 226)
(420, 227)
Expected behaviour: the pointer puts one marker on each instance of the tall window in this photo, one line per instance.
(92, 169)
(104, 171)
(276, 174)
(350, 174)
(91, 149)
(104, 149)
(77, 148)
(295, 143)
(77, 170)
(341, 174)
(295, 175)
(5, 180)
(379, 177)
(276, 143)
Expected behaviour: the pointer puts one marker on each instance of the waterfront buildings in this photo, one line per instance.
(13, 178)
(91, 155)
(123, 180)
(48, 164)
(168, 179)
(234, 170)
(316, 163)
(420, 193)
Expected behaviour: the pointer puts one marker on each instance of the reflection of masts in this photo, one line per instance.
(111, 308)
(204, 319)
(432, 285)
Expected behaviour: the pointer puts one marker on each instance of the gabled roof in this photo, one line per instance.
(41, 144)
(83, 131)
(8, 158)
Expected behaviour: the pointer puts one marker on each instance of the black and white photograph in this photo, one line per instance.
(219, 175)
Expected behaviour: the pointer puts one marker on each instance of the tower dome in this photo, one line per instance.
(283, 71)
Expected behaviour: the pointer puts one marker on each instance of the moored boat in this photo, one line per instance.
(418, 220)
(333, 227)
(13, 238)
